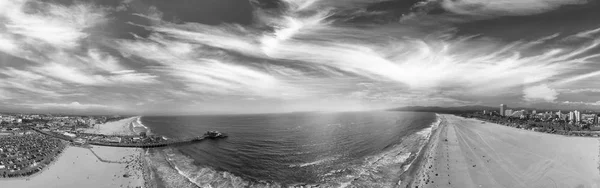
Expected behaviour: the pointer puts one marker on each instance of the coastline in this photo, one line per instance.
(94, 167)
(407, 177)
(467, 153)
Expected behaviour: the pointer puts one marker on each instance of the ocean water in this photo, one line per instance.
(279, 150)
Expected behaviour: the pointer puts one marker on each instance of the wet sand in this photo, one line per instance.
(97, 167)
(466, 153)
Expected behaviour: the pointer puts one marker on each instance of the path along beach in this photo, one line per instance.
(465, 153)
(80, 167)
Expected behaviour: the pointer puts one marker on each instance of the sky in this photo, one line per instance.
(269, 56)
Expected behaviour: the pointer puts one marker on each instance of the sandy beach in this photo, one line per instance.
(121, 127)
(467, 153)
(97, 167)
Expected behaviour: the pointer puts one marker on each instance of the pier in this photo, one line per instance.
(149, 145)
(128, 140)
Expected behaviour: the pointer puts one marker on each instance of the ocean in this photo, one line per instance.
(367, 149)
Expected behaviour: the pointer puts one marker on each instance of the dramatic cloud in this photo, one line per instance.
(301, 55)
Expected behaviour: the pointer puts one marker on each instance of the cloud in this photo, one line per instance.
(56, 25)
(579, 103)
(308, 45)
(211, 74)
(7, 44)
(306, 51)
(494, 8)
(591, 90)
(75, 75)
(578, 78)
(70, 106)
(29, 82)
(540, 92)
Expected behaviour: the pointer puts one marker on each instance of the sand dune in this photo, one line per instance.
(467, 153)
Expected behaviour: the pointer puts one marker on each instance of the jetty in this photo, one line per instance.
(127, 140)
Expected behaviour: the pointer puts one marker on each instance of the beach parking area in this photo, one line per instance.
(466, 153)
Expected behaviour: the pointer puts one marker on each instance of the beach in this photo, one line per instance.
(94, 167)
(121, 127)
(467, 153)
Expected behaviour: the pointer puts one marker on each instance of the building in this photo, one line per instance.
(589, 118)
(572, 116)
(577, 116)
(520, 114)
(563, 117)
(508, 112)
(502, 108)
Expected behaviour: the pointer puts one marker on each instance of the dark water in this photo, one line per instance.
(292, 149)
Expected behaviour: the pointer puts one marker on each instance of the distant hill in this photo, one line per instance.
(445, 110)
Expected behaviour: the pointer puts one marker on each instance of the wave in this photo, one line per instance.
(203, 176)
(138, 123)
(138, 126)
(320, 161)
(383, 169)
(426, 133)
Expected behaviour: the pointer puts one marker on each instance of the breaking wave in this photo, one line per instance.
(203, 176)
(320, 161)
(137, 126)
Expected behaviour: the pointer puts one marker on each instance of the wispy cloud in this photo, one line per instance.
(71, 106)
(306, 35)
(304, 51)
(57, 25)
(579, 103)
(73, 74)
(493, 8)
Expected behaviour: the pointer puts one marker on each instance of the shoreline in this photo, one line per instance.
(407, 177)
(463, 152)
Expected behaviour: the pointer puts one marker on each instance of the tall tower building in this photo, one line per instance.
(572, 116)
(502, 108)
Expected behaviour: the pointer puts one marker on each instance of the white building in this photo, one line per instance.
(502, 110)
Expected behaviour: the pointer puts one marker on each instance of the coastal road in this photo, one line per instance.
(469, 153)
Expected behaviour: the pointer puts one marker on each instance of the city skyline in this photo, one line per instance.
(152, 57)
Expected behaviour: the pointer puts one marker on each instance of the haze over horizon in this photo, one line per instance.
(264, 56)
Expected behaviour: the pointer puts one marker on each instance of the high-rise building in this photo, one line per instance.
(502, 108)
(572, 116)
(577, 116)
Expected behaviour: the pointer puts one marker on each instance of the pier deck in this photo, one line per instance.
(148, 145)
(129, 145)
